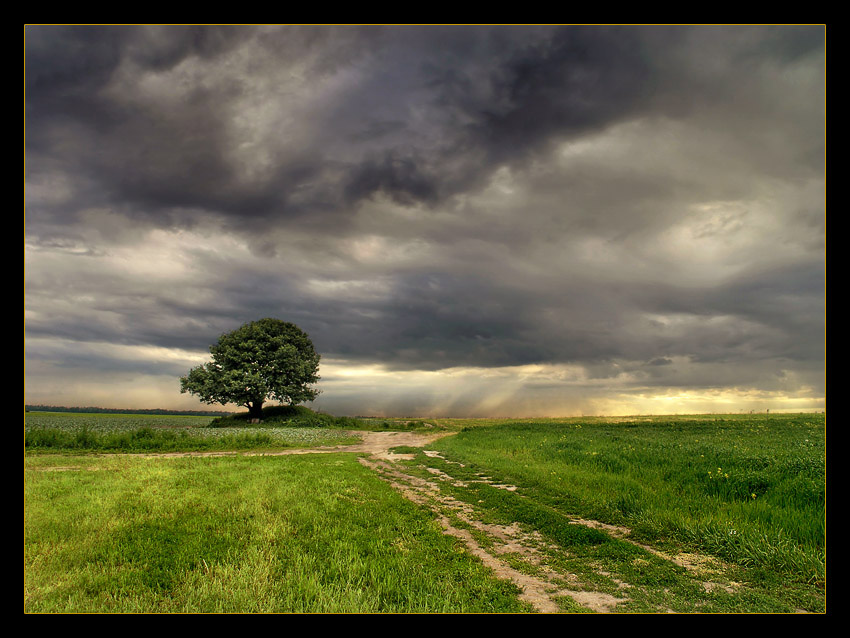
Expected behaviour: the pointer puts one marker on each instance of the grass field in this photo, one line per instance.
(749, 490)
(743, 496)
(240, 534)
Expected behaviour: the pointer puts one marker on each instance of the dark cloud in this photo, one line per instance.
(773, 314)
(404, 179)
(73, 362)
(580, 80)
(491, 96)
(433, 111)
(645, 203)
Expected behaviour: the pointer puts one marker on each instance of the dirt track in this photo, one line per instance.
(376, 444)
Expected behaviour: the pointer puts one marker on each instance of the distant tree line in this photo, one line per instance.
(54, 408)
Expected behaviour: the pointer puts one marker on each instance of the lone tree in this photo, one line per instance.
(265, 359)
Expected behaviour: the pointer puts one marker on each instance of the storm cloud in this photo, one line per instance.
(552, 219)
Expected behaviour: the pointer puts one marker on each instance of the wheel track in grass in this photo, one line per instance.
(540, 591)
(543, 590)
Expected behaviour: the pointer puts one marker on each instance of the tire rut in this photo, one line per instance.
(541, 592)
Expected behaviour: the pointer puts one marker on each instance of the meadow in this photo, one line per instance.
(744, 496)
(747, 489)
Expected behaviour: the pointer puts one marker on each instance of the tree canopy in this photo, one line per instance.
(262, 360)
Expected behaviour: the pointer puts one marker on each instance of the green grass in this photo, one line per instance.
(106, 422)
(239, 534)
(321, 533)
(748, 490)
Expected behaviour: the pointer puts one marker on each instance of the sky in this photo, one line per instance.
(466, 220)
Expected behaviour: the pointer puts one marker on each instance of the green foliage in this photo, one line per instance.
(261, 360)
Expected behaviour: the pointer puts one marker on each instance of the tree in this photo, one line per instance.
(265, 359)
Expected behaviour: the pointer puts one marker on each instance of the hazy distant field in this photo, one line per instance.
(741, 495)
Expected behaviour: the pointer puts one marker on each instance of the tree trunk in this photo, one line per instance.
(255, 410)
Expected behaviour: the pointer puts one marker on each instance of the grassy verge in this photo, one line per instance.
(303, 417)
(238, 534)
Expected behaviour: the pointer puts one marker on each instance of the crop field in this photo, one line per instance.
(688, 514)
(64, 431)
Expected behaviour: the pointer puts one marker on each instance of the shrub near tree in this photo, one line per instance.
(262, 360)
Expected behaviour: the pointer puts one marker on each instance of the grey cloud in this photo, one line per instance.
(778, 313)
(404, 179)
(660, 361)
(154, 155)
(450, 104)
(300, 142)
(451, 318)
(103, 362)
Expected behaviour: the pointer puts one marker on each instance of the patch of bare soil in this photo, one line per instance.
(376, 444)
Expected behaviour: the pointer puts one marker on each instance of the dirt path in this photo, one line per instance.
(492, 544)
(376, 444)
(501, 547)
(541, 592)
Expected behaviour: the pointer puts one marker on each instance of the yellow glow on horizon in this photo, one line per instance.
(539, 390)
(528, 391)
(699, 402)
